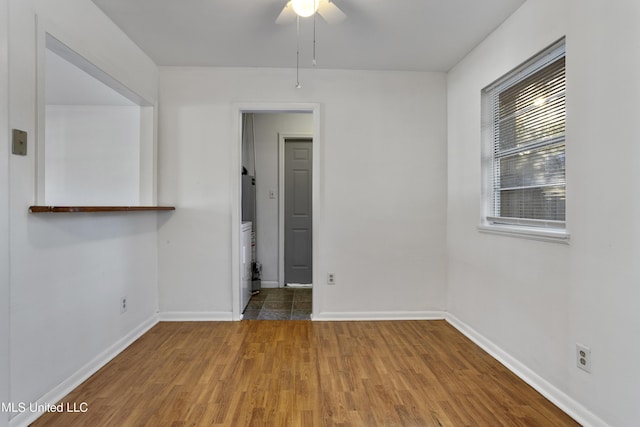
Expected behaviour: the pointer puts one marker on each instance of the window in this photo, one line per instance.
(524, 146)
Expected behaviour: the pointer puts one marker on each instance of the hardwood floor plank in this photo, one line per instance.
(301, 373)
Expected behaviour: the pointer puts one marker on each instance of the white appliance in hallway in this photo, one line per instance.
(246, 273)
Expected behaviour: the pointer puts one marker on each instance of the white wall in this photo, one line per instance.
(4, 212)
(536, 300)
(92, 155)
(383, 175)
(267, 127)
(68, 271)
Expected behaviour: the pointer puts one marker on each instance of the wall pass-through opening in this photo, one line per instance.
(96, 144)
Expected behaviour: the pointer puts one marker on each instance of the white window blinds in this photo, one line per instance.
(526, 115)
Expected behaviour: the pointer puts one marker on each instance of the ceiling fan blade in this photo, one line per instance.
(330, 12)
(287, 15)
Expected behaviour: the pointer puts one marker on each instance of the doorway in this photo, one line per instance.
(279, 124)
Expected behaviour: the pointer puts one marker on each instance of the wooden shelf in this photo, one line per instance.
(90, 209)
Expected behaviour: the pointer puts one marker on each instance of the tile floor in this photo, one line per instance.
(279, 304)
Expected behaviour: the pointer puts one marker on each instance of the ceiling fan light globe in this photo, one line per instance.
(305, 8)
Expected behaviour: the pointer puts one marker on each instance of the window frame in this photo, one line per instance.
(546, 230)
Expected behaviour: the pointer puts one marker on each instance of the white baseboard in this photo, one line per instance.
(571, 407)
(67, 386)
(269, 284)
(381, 315)
(195, 316)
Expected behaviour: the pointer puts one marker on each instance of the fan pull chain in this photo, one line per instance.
(314, 34)
(298, 53)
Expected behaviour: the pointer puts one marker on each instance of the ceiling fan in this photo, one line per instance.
(296, 9)
(305, 8)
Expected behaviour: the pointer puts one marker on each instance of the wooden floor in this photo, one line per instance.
(302, 373)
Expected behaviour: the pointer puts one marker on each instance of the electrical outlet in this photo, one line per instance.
(583, 357)
(123, 304)
(331, 279)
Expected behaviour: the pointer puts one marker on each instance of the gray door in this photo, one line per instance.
(297, 210)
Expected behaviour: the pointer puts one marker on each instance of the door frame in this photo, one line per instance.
(238, 109)
(5, 190)
(282, 137)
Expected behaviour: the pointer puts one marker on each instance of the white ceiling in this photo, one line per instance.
(429, 35)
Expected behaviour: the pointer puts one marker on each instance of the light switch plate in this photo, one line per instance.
(19, 142)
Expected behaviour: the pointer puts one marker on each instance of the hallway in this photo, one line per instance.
(280, 304)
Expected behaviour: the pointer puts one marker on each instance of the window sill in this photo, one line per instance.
(531, 233)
